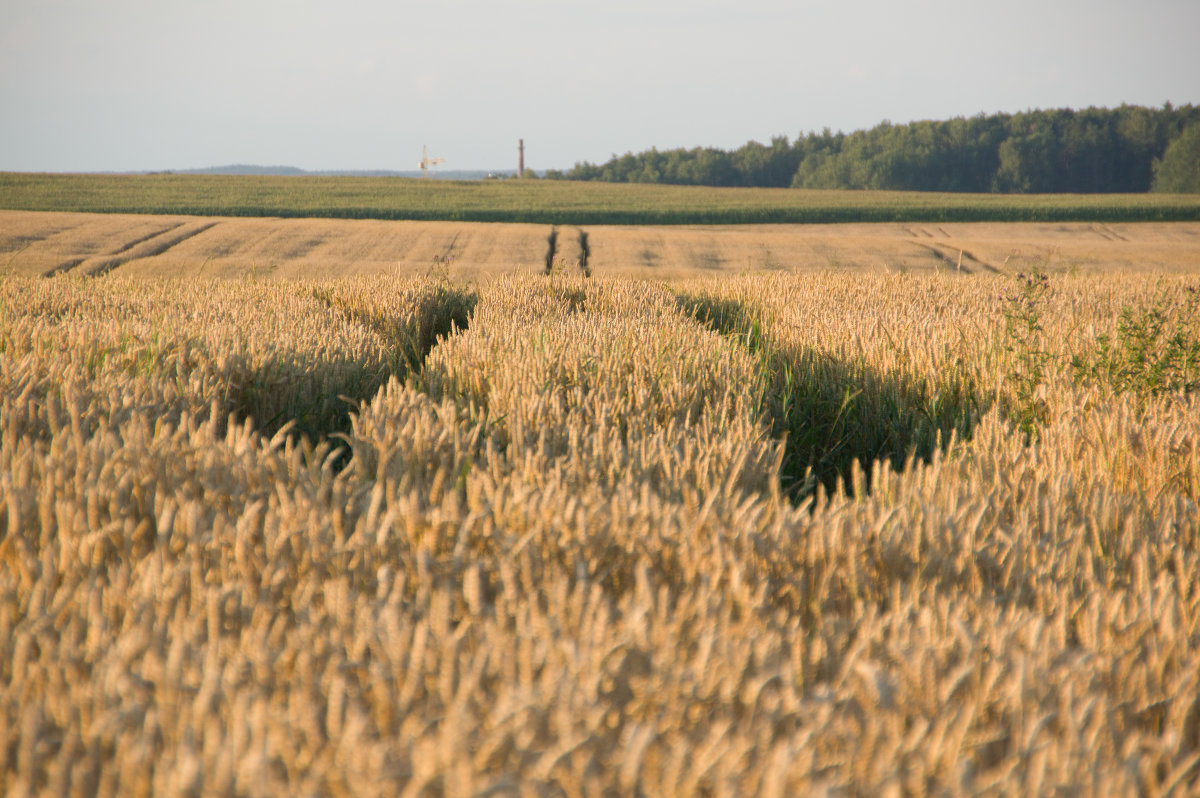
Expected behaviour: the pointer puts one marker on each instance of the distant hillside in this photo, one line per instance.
(285, 171)
(1096, 150)
(240, 169)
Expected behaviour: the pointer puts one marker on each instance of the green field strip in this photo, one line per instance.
(559, 202)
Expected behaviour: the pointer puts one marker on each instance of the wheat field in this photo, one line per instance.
(839, 531)
(37, 243)
(44, 243)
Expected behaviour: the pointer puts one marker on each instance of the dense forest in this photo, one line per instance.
(1126, 149)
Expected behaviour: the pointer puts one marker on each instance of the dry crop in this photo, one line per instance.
(593, 537)
(181, 246)
(42, 243)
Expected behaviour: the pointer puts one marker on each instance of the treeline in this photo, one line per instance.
(1128, 149)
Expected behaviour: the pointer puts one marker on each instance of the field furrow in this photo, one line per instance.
(852, 531)
(49, 243)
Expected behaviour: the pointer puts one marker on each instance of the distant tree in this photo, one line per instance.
(759, 165)
(1029, 156)
(1178, 171)
(1093, 150)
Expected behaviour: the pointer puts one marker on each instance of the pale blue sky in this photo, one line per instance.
(363, 84)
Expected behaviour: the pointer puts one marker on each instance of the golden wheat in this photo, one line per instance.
(558, 557)
(35, 243)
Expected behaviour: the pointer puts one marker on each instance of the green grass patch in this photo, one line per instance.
(557, 202)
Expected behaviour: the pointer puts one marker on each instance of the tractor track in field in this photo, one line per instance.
(1107, 233)
(577, 249)
(584, 252)
(551, 249)
(958, 259)
(143, 239)
(147, 246)
(63, 267)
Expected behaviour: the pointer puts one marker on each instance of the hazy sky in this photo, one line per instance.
(96, 85)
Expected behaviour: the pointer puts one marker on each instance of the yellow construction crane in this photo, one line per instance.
(427, 162)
